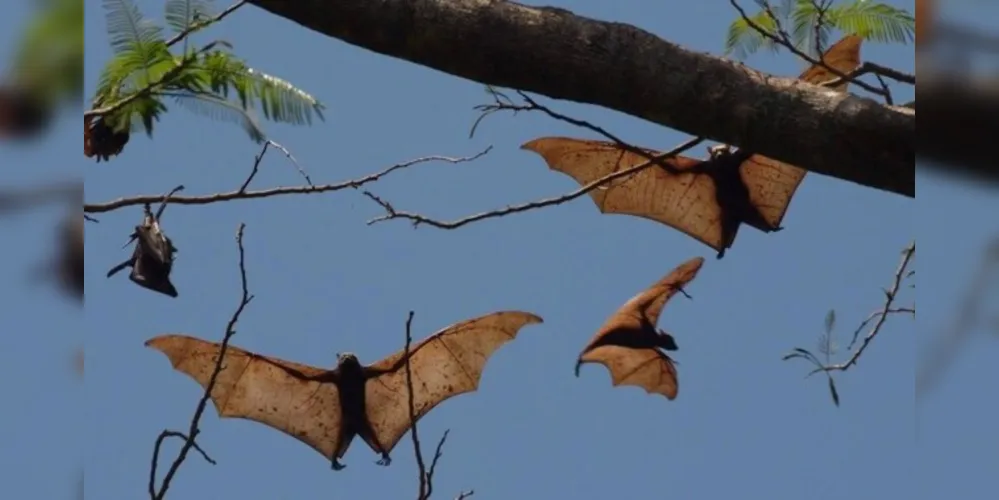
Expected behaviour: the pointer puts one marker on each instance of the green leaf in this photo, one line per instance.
(217, 108)
(182, 14)
(127, 29)
(874, 21)
(833, 392)
(830, 321)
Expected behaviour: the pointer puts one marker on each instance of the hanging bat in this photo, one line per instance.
(101, 139)
(153, 256)
(629, 343)
(325, 409)
(72, 256)
(705, 199)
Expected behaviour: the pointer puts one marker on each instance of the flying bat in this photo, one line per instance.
(325, 409)
(153, 256)
(705, 199)
(631, 347)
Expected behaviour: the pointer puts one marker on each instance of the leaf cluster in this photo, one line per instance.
(208, 80)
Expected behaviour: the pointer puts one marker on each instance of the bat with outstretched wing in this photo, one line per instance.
(705, 199)
(631, 347)
(326, 409)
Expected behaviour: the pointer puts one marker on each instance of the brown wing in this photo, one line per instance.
(685, 201)
(771, 183)
(650, 302)
(253, 387)
(446, 364)
(648, 368)
(627, 349)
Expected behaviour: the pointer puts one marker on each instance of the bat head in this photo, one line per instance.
(347, 360)
(666, 341)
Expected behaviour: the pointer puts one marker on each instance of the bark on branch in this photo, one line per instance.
(556, 53)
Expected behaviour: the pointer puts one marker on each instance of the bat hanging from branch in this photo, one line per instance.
(705, 199)
(153, 256)
(325, 409)
(629, 343)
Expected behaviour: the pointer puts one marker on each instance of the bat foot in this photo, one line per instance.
(336, 465)
(777, 229)
(385, 461)
(721, 254)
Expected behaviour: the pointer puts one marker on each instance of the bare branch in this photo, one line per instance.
(193, 430)
(426, 475)
(264, 193)
(392, 213)
(881, 316)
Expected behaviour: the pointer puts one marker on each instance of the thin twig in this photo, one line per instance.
(392, 213)
(882, 316)
(264, 193)
(426, 474)
(782, 38)
(193, 430)
(196, 26)
(502, 103)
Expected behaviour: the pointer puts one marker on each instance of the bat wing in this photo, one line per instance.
(627, 349)
(256, 388)
(650, 302)
(446, 364)
(685, 201)
(771, 183)
(647, 368)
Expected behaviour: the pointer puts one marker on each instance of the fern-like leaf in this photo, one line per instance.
(127, 29)
(182, 14)
(217, 108)
(874, 21)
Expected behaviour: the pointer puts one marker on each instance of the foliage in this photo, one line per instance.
(143, 71)
(810, 23)
(49, 57)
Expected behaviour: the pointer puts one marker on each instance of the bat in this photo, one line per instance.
(153, 256)
(100, 139)
(22, 113)
(72, 256)
(705, 199)
(326, 409)
(631, 347)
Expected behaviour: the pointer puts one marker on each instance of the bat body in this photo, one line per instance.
(101, 140)
(706, 199)
(326, 409)
(72, 256)
(630, 346)
(153, 256)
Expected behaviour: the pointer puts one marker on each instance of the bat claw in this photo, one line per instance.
(336, 465)
(384, 461)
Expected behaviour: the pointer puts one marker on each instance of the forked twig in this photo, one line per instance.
(193, 430)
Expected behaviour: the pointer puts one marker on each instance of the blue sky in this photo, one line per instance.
(745, 423)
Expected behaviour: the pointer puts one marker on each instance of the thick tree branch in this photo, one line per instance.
(553, 52)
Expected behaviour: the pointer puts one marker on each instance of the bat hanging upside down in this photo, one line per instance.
(325, 409)
(706, 199)
(629, 343)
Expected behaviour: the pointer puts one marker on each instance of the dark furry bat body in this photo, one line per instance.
(326, 409)
(153, 256)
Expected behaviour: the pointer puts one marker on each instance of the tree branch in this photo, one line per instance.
(881, 316)
(417, 219)
(193, 430)
(242, 194)
(556, 53)
(426, 475)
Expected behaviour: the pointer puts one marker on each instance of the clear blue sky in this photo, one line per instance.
(744, 425)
